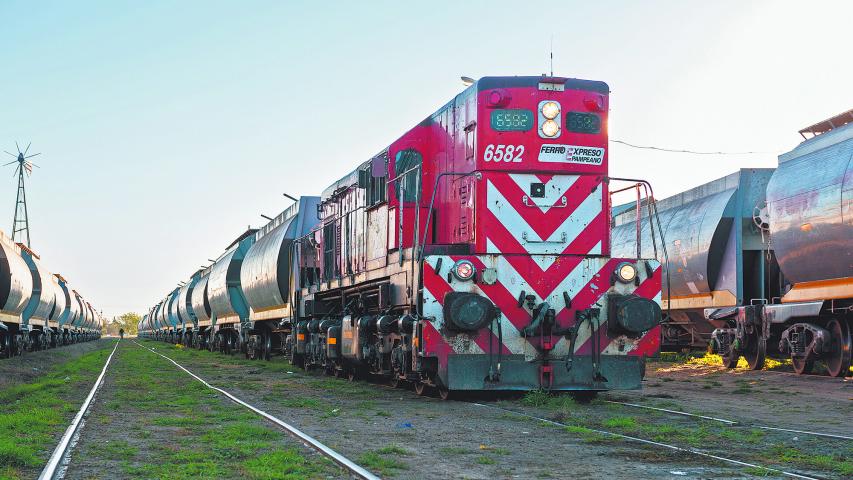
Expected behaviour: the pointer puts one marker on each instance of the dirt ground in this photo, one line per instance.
(150, 420)
(430, 438)
(397, 434)
(31, 365)
(771, 398)
(42, 392)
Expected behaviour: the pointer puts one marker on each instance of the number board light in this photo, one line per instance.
(579, 122)
(552, 87)
(511, 120)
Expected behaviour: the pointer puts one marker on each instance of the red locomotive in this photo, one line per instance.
(473, 252)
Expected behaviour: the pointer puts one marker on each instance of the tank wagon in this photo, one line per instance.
(718, 255)
(473, 253)
(36, 307)
(761, 261)
(809, 219)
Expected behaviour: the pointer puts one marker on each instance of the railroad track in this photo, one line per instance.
(733, 423)
(58, 462)
(657, 444)
(311, 442)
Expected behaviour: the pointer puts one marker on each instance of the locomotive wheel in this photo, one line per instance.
(445, 394)
(801, 365)
(394, 381)
(351, 375)
(420, 389)
(756, 352)
(838, 359)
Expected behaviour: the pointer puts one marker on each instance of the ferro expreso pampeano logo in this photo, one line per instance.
(571, 154)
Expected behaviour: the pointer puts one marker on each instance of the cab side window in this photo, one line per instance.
(405, 161)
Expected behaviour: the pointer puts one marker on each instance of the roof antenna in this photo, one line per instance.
(552, 54)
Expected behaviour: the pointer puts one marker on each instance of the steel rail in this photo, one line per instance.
(52, 470)
(306, 439)
(657, 444)
(732, 422)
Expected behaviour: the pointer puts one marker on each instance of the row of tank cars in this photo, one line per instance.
(761, 261)
(236, 303)
(39, 310)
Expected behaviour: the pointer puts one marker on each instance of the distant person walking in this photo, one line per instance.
(121, 332)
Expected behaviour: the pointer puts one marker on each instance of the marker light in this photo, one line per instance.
(550, 110)
(464, 270)
(626, 272)
(550, 128)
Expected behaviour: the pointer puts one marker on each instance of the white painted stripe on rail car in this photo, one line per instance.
(51, 469)
(733, 422)
(312, 442)
(657, 444)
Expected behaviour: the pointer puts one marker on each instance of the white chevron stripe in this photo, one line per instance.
(555, 188)
(517, 226)
(515, 283)
(573, 283)
(581, 275)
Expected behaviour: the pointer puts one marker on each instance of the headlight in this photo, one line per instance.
(626, 272)
(469, 312)
(464, 270)
(550, 128)
(550, 110)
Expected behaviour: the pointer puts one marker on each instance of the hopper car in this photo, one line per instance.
(38, 310)
(471, 254)
(761, 261)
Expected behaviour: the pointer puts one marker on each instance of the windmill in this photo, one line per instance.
(21, 223)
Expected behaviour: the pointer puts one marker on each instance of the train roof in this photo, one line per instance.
(483, 83)
(534, 81)
(714, 187)
(841, 132)
(344, 182)
(248, 233)
(824, 126)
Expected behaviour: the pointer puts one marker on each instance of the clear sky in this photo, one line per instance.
(167, 127)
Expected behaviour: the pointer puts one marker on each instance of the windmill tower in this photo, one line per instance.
(21, 223)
